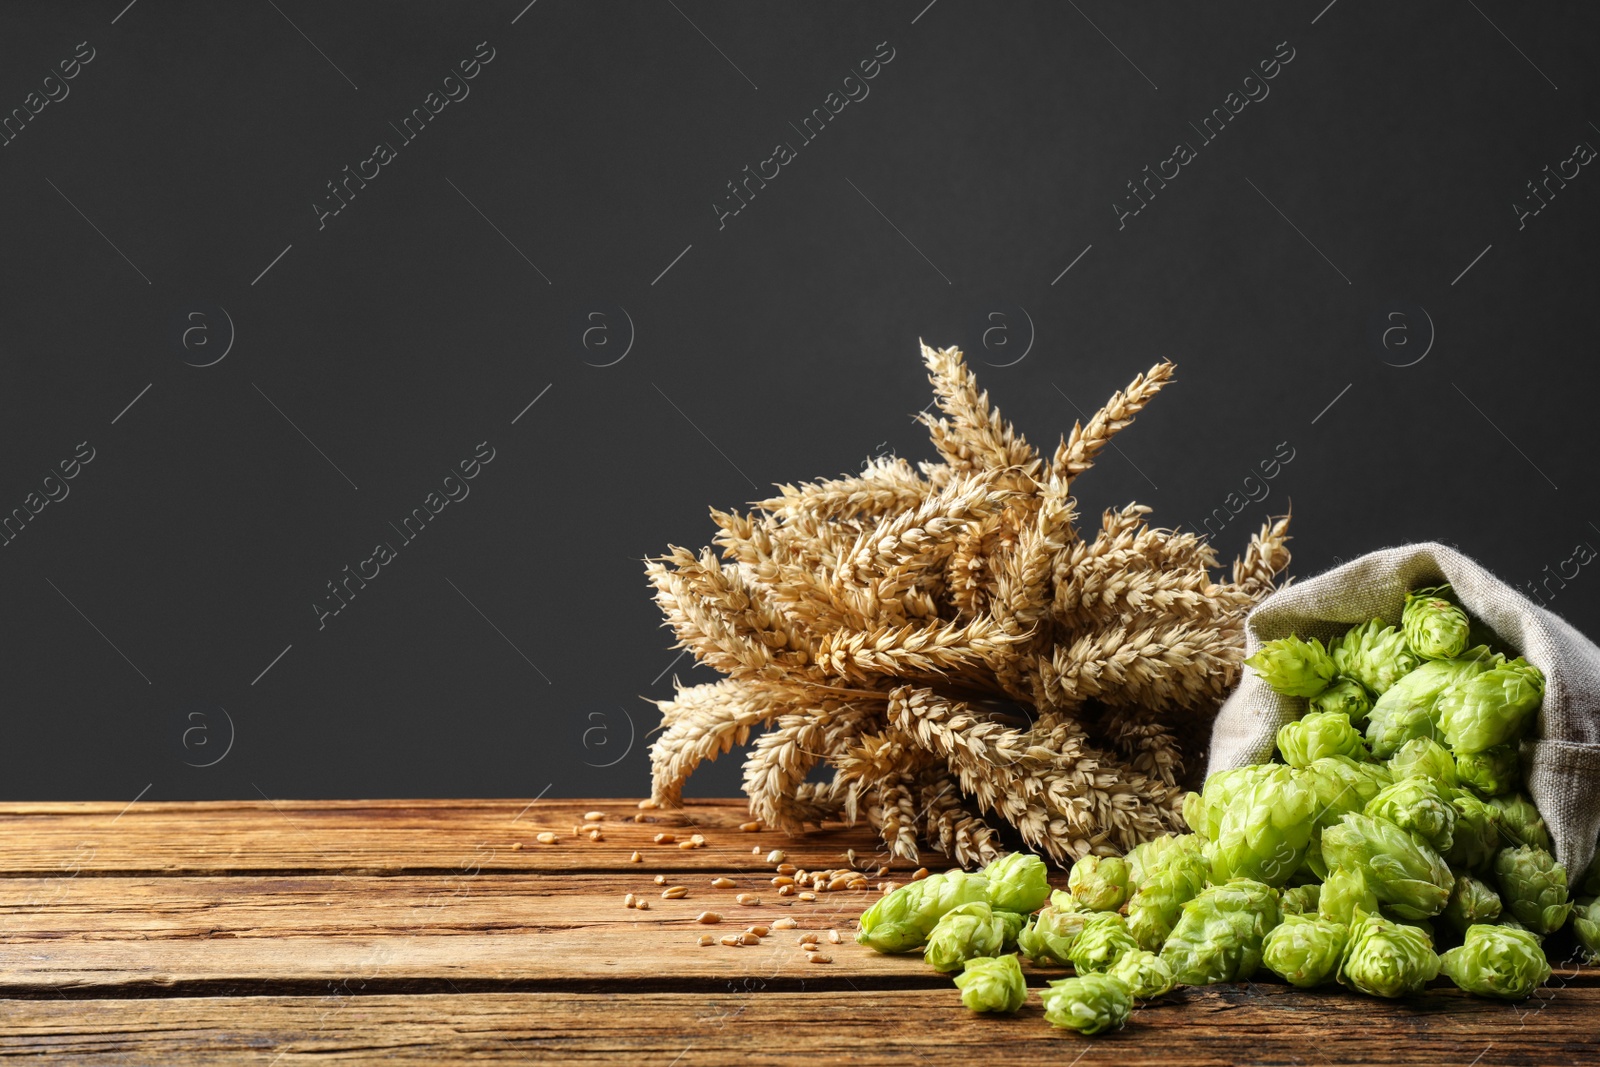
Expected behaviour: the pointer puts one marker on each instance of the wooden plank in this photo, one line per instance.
(1213, 1026)
(390, 836)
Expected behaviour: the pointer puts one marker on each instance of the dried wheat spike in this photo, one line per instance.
(939, 640)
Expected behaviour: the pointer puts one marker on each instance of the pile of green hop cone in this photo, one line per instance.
(1394, 827)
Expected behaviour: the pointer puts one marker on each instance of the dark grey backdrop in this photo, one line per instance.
(1342, 275)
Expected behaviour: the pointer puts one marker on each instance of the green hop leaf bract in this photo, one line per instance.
(1435, 626)
(1471, 901)
(1406, 874)
(1145, 973)
(1497, 961)
(1375, 655)
(1533, 888)
(1423, 757)
(1219, 934)
(1017, 882)
(1520, 821)
(1477, 834)
(1304, 950)
(1492, 772)
(1099, 883)
(1346, 696)
(992, 983)
(1088, 1003)
(1301, 899)
(1387, 959)
(1293, 667)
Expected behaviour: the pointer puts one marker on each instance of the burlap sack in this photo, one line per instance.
(1561, 761)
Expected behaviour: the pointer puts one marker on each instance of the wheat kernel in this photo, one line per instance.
(818, 957)
(782, 880)
(786, 890)
(834, 938)
(661, 879)
(921, 873)
(807, 938)
(707, 939)
(674, 892)
(593, 816)
(687, 844)
(516, 846)
(808, 896)
(785, 868)
(750, 827)
(629, 900)
(595, 835)
(643, 905)
(775, 856)
(665, 839)
(749, 900)
(636, 858)
(756, 851)
(759, 931)
(708, 917)
(723, 883)
(784, 923)
(547, 838)
(733, 940)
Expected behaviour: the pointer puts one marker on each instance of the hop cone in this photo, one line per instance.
(1301, 899)
(1423, 757)
(1521, 822)
(1533, 888)
(1304, 950)
(1435, 627)
(1406, 709)
(1497, 961)
(1293, 667)
(1477, 835)
(1146, 975)
(1491, 772)
(1013, 922)
(1169, 880)
(1104, 940)
(1491, 708)
(1318, 734)
(1406, 874)
(1203, 810)
(1419, 806)
(1471, 901)
(902, 920)
(1346, 696)
(1265, 830)
(1148, 857)
(1219, 935)
(964, 932)
(1343, 785)
(1374, 655)
(1099, 883)
(1048, 939)
(992, 983)
(1346, 893)
(1387, 959)
(1088, 1003)
(1017, 882)
(1586, 924)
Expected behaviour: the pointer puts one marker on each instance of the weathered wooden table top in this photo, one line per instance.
(439, 931)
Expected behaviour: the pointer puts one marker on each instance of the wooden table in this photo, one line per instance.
(440, 931)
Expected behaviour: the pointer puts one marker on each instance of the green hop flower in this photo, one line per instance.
(1423, 757)
(992, 983)
(1346, 696)
(1491, 772)
(1219, 934)
(1407, 709)
(1491, 708)
(1435, 627)
(1146, 974)
(1420, 806)
(1167, 879)
(1017, 882)
(964, 932)
(1147, 857)
(901, 921)
(1521, 822)
(1533, 888)
(1375, 655)
(1048, 939)
(1345, 893)
(1477, 835)
(1013, 922)
(1301, 899)
(1387, 959)
(1304, 950)
(1318, 734)
(1471, 901)
(1497, 961)
(1406, 874)
(1104, 940)
(1265, 829)
(1099, 883)
(1586, 924)
(1203, 810)
(1293, 667)
(1343, 785)
(1088, 1003)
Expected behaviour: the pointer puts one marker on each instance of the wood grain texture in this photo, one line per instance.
(282, 932)
(1212, 1027)
(388, 836)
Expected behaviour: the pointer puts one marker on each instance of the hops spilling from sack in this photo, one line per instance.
(947, 646)
(1355, 860)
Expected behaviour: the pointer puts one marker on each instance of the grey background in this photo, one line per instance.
(160, 616)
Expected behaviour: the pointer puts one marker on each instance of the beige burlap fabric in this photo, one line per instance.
(1561, 761)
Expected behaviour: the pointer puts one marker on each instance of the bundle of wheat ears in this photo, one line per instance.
(947, 644)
